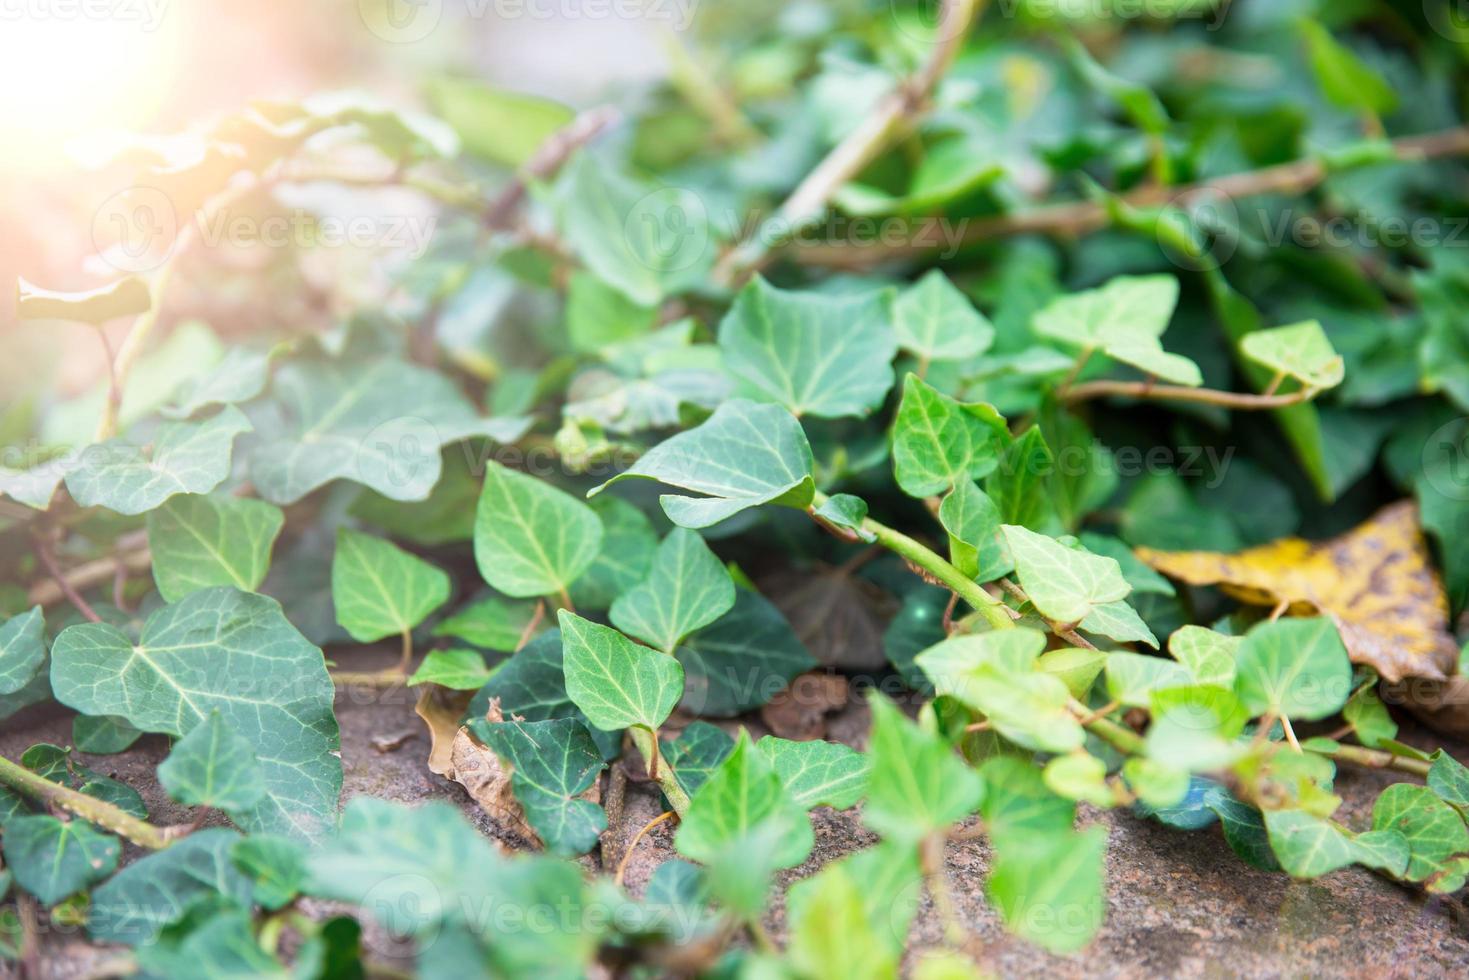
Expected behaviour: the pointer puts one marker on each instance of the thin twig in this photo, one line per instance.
(50, 591)
(1076, 218)
(1180, 393)
(632, 844)
(549, 158)
(530, 627)
(48, 561)
(861, 146)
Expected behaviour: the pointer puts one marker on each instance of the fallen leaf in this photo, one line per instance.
(799, 712)
(441, 709)
(1377, 581)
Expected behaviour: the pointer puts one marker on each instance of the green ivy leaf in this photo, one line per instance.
(531, 539)
(934, 321)
(1017, 802)
(1433, 829)
(939, 443)
(1020, 486)
(495, 124)
(102, 734)
(1054, 872)
(1077, 668)
(152, 893)
(628, 545)
(1449, 778)
(817, 773)
(459, 670)
(234, 651)
(820, 354)
(696, 753)
(846, 513)
(598, 316)
(22, 649)
(1244, 829)
(379, 590)
(532, 685)
(184, 457)
(213, 766)
(554, 763)
(1132, 678)
(1079, 776)
(916, 785)
(1196, 728)
(1309, 846)
(275, 865)
(1207, 655)
(1344, 78)
(52, 858)
(1297, 668)
(492, 623)
(1118, 621)
(1065, 584)
(1369, 717)
(972, 521)
(831, 934)
(129, 296)
(1124, 319)
(200, 541)
(688, 588)
(223, 946)
(743, 803)
(238, 377)
(378, 422)
(744, 659)
(1301, 351)
(744, 456)
(617, 683)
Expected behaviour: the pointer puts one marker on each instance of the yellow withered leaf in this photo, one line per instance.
(1377, 581)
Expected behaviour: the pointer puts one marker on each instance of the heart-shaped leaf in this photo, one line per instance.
(688, 588)
(745, 455)
(819, 354)
(555, 762)
(916, 785)
(936, 322)
(53, 858)
(1433, 829)
(1034, 874)
(150, 894)
(531, 539)
(184, 457)
(1207, 655)
(617, 683)
(459, 670)
(1301, 351)
(200, 541)
(817, 773)
(1065, 584)
(939, 442)
(379, 590)
(1123, 319)
(213, 766)
(232, 651)
(1296, 668)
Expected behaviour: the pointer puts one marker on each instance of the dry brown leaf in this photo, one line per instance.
(440, 709)
(1377, 581)
(799, 712)
(456, 754)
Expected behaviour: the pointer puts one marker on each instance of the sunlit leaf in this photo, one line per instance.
(939, 442)
(1301, 351)
(616, 682)
(817, 773)
(1066, 584)
(916, 784)
(1296, 668)
(126, 297)
(200, 541)
(531, 539)
(688, 588)
(379, 590)
(936, 322)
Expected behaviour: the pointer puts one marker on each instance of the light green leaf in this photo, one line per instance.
(213, 766)
(598, 316)
(742, 801)
(495, 124)
(972, 521)
(950, 663)
(1369, 718)
(378, 422)
(1293, 667)
(1118, 621)
(1309, 846)
(688, 588)
(199, 541)
(936, 322)
(1157, 785)
(1207, 655)
(52, 858)
(1434, 830)
(36, 486)
(276, 866)
(129, 296)
(917, 785)
(1124, 319)
(846, 513)
(1017, 802)
(1301, 351)
(1196, 728)
(239, 376)
(379, 590)
(939, 442)
(817, 773)
(1077, 668)
(230, 650)
(1344, 78)
(831, 934)
(184, 457)
(554, 763)
(1048, 887)
(102, 734)
(742, 661)
(818, 354)
(1065, 584)
(222, 947)
(1020, 486)
(1132, 678)
(22, 649)
(648, 241)
(1079, 776)
(459, 670)
(494, 623)
(617, 683)
(531, 539)
(160, 889)
(745, 455)
(1449, 778)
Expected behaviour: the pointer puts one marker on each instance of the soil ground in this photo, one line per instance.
(1180, 904)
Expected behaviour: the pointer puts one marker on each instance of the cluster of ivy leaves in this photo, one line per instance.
(471, 468)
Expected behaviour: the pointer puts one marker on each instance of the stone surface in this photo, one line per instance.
(1179, 903)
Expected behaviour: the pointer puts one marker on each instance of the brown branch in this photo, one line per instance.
(550, 157)
(52, 590)
(89, 808)
(861, 146)
(1076, 218)
(48, 561)
(1179, 393)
